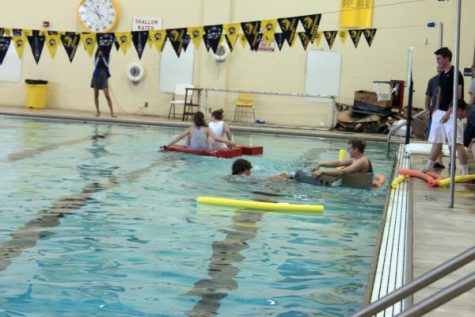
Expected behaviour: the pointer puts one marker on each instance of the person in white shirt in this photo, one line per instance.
(219, 128)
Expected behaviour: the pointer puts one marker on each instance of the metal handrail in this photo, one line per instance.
(424, 280)
(397, 127)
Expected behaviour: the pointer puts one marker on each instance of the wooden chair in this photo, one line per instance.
(192, 102)
(178, 98)
(245, 106)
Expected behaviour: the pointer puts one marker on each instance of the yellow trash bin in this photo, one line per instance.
(36, 93)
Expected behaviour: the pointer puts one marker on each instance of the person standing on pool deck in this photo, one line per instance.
(220, 128)
(467, 111)
(197, 135)
(442, 127)
(99, 81)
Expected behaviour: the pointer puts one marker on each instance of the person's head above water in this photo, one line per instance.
(218, 114)
(199, 119)
(356, 146)
(242, 167)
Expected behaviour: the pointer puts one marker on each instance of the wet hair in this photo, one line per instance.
(240, 166)
(357, 144)
(199, 119)
(218, 114)
(444, 52)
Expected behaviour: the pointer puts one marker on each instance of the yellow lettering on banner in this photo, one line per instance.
(356, 13)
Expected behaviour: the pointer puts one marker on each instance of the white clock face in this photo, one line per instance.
(98, 15)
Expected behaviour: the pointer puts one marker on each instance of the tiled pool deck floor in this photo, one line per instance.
(439, 232)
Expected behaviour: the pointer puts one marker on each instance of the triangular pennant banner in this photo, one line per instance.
(6, 32)
(71, 42)
(159, 37)
(105, 42)
(125, 41)
(310, 24)
(140, 39)
(212, 36)
(4, 45)
(17, 32)
(369, 35)
(37, 42)
(116, 44)
(196, 35)
(289, 28)
(269, 27)
(89, 42)
(342, 35)
(251, 32)
(355, 36)
(318, 38)
(52, 42)
(243, 40)
(186, 41)
(279, 39)
(231, 34)
(304, 39)
(330, 36)
(255, 47)
(176, 37)
(19, 41)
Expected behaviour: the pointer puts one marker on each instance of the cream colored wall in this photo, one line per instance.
(277, 72)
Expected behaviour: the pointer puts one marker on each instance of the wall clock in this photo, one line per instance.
(98, 15)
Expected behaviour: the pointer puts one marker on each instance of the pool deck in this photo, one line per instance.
(439, 232)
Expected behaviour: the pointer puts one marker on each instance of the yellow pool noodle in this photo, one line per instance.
(398, 180)
(458, 179)
(258, 205)
(341, 156)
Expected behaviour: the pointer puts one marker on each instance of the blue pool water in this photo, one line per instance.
(94, 221)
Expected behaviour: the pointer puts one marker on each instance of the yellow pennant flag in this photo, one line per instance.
(52, 42)
(196, 35)
(125, 40)
(318, 38)
(243, 40)
(27, 32)
(5, 32)
(89, 42)
(159, 37)
(231, 33)
(20, 42)
(269, 27)
(342, 34)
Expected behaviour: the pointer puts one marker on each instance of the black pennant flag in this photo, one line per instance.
(311, 23)
(355, 36)
(251, 32)
(140, 39)
(279, 39)
(255, 47)
(289, 28)
(369, 35)
(4, 45)
(105, 42)
(37, 42)
(186, 41)
(212, 36)
(176, 37)
(304, 39)
(71, 42)
(116, 44)
(330, 36)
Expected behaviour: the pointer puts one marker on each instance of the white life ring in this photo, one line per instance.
(222, 53)
(135, 72)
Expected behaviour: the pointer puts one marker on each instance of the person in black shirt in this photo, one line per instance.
(100, 79)
(442, 128)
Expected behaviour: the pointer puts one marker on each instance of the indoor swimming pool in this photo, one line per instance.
(95, 221)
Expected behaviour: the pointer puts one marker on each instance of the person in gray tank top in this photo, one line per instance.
(197, 135)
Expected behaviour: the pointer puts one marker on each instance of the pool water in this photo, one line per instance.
(95, 221)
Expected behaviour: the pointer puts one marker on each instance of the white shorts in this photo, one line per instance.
(443, 132)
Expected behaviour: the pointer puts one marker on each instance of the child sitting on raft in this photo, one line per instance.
(197, 136)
